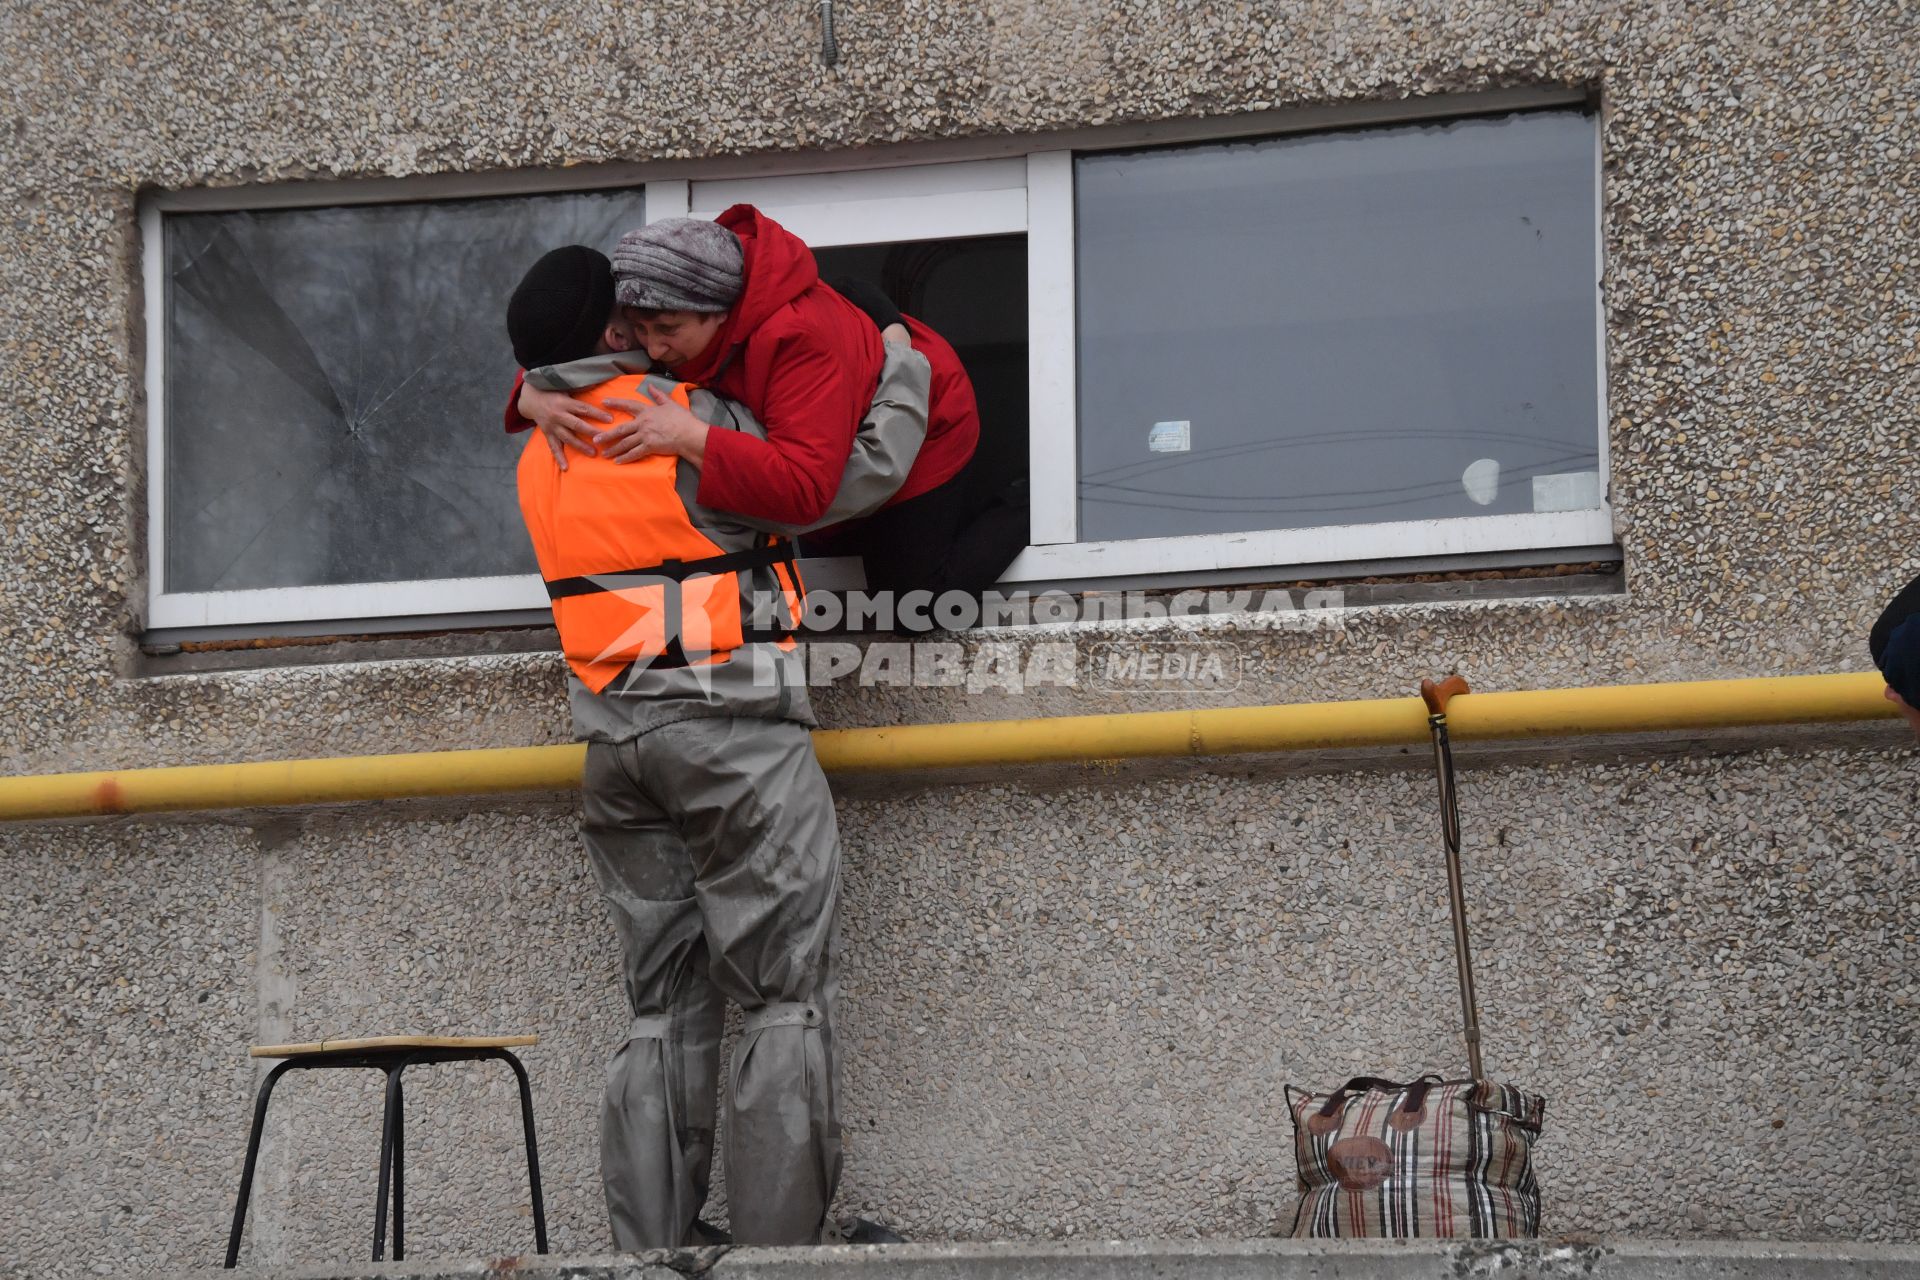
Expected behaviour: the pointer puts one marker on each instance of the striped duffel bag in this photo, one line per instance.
(1431, 1158)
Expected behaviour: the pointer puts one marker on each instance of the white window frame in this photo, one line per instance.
(168, 610)
(1056, 555)
(930, 191)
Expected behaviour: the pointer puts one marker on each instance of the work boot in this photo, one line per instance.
(864, 1231)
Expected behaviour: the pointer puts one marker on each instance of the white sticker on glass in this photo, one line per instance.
(1481, 480)
(1170, 437)
(1567, 491)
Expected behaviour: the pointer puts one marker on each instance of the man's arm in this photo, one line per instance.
(813, 405)
(884, 447)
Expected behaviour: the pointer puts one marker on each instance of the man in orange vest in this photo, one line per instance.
(707, 819)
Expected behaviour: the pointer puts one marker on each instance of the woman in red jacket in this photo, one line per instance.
(737, 305)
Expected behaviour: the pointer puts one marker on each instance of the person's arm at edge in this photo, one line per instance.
(1895, 651)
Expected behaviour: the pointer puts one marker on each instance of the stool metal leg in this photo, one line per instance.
(533, 1153)
(393, 1141)
(386, 1158)
(253, 1159)
(399, 1169)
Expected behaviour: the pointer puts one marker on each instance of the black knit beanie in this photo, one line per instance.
(560, 307)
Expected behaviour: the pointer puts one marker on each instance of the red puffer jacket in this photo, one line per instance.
(953, 417)
(805, 362)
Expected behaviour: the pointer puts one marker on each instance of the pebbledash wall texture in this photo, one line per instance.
(1073, 997)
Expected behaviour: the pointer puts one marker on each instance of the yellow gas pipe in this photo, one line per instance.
(1473, 717)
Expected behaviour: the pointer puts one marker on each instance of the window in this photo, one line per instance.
(1207, 355)
(328, 444)
(1337, 329)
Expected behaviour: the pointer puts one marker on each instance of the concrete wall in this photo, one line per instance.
(1068, 1012)
(1707, 962)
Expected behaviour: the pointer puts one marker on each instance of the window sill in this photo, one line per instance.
(1247, 601)
(1212, 605)
(164, 653)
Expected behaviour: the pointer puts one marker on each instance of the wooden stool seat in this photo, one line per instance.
(391, 1055)
(390, 1042)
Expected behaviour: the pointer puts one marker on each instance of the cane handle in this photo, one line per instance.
(1436, 695)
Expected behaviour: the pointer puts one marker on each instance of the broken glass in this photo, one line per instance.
(335, 379)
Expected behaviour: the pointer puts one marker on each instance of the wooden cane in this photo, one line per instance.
(1436, 696)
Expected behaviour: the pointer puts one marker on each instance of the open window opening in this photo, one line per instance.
(973, 292)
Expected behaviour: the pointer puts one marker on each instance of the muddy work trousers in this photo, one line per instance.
(715, 846)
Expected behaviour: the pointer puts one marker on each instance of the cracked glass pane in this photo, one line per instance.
(334, 386)
(1339, 328)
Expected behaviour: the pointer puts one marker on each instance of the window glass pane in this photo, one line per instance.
(1342, 328)
(334, 386)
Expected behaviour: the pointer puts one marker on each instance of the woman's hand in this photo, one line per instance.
(659, 425)
(896, 335)
(561, 419)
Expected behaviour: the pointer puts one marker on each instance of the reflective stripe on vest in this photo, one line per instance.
(594, 522)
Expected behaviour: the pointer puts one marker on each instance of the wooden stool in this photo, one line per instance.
(393, 1055)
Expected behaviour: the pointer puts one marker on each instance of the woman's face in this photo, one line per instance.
(675, 337)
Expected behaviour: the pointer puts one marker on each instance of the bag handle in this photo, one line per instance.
(1412, 1108)
(1360, 1084)
(1416, 1096)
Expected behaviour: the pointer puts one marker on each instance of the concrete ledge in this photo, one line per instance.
(1183, 1260)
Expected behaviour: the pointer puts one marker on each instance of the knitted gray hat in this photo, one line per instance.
(679, 264)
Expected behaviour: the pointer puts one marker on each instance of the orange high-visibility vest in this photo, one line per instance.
(632, 577)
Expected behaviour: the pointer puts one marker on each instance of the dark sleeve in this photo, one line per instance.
(1904, 606)
(878, 306)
